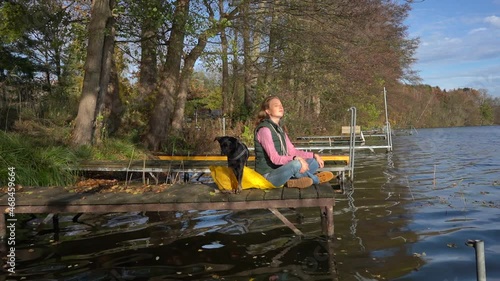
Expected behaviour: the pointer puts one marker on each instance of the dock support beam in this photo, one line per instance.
(480, 261)
(286, 221)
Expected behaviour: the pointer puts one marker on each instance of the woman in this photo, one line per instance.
(276, 157)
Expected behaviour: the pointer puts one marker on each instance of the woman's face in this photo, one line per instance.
(275, 110)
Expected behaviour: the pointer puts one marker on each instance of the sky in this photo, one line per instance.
(459, 43)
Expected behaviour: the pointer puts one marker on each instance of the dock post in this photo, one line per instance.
(329, 221)
(328, 226)
(3, 227)
(480, 261)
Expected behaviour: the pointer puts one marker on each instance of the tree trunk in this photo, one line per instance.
(273, 34)
(237, 78)
(316, 103)
(225, 68)
(185, 78)
(161, 116)
(148, 68)
(102, 114)
(113, 102)
(251, 52)
(84, 123)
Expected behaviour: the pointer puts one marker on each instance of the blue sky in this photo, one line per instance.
(459, 43)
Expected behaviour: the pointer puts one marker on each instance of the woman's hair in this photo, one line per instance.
(263, 107)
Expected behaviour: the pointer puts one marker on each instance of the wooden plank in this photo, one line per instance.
(325, 190)
(346, 130)
(274, 194)
(192, 193)
(255, 194)
(291, 193)
(29, 195)
(219, 197)
(110, 208)
(239, 197)
(180, 197)
(310, 192)
(96, 198)
(189, 193)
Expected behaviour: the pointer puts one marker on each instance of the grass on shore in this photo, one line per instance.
(42, 161)
(39, 150)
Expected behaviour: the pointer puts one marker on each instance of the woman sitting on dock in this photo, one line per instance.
(276, 157)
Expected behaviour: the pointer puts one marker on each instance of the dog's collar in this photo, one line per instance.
(239, 155)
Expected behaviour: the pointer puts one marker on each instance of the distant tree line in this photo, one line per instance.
(426, 106)
(111, 67)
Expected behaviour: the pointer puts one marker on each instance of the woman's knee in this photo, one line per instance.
(295, 165)
(313, 165)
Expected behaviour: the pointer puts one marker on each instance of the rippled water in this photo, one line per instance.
(407, 217)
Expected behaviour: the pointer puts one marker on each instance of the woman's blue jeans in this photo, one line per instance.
(281, 175)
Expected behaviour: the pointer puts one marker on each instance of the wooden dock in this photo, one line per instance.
(193, 166)
(177, 197)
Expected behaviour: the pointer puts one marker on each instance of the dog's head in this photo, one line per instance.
(227, 144)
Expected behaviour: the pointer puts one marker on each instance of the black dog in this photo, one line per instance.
(237, 156)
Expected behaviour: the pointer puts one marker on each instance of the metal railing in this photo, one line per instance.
(352, 142)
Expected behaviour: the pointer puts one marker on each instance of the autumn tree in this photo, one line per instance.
(167, 115)
(97, 72)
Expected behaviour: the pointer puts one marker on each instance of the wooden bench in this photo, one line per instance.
(178, 197)
(346, 132)
(344, 137)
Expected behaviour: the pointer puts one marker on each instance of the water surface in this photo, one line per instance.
(407, 217)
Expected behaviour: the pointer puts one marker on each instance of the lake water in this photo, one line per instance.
(408, 217)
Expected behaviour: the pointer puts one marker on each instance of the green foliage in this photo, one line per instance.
(424, 106)
(113, 149)
(486, 113)
(178, 145)
(370, 115)
(13, 23)
(205, 93)
(247, 135)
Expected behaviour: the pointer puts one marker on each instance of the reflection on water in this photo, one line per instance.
(144, 254)
(407, 217)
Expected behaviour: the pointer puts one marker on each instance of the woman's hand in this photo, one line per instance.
(320, 161)
(304, 167)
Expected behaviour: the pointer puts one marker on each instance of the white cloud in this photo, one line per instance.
(478, 43)
(493, 20)
(459, 75)
(458, 48)
(450, 40)
(476, 30)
